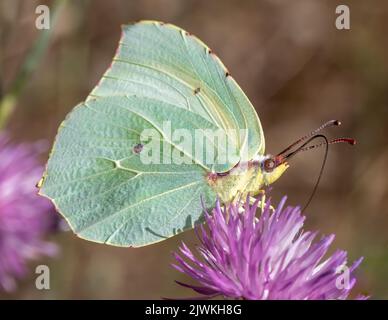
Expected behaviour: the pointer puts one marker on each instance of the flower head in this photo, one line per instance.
(265, 257)
(25, 218)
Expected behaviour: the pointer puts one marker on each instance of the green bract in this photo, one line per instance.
(95, 174)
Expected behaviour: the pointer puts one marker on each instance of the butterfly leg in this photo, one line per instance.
(262, 202)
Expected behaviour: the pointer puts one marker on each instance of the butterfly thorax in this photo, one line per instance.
(248, 178)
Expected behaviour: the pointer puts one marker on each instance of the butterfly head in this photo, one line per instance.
(272, 168)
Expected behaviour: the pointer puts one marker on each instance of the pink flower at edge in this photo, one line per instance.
(25, 217)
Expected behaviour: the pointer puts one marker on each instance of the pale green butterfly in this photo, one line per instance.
(96, 176)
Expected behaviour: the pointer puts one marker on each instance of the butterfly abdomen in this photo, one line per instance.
(237, 182)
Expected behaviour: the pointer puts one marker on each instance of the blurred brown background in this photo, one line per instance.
(297, 69)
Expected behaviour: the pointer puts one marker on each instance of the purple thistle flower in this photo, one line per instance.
(265, 257)
(25, 218)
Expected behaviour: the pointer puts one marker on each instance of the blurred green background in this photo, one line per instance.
(297, 69)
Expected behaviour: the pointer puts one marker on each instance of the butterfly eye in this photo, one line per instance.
(269, 165)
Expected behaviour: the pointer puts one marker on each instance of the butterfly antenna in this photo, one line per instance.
(306, 147)
(327, 124)
(334, 141)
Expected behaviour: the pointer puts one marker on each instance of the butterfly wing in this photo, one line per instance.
(160, 75)
(164, 62)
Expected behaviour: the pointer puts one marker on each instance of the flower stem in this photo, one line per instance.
(8, 101)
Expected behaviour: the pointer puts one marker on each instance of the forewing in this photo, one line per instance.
(166, 63)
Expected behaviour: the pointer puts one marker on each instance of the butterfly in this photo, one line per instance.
(114, 184)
